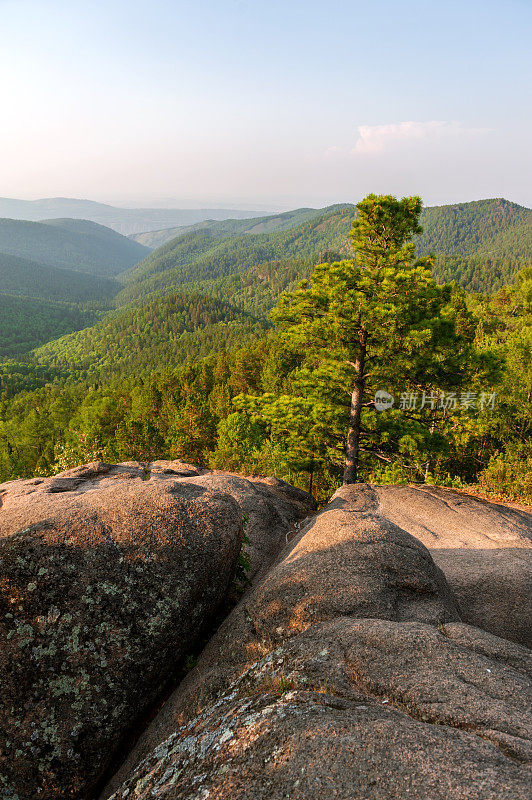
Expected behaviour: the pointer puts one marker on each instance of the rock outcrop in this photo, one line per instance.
(359, 710)
(348, 670)
(270, 507)
(345, 673)
(484, 549)
(108, 575)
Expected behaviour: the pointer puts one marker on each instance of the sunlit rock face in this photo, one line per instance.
(358, 709)
(347, 670)
(483, 548)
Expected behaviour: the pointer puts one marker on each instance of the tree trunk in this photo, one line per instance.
(427, 465)
(357, 398)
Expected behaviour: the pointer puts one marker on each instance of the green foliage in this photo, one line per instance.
(241, 578)
(483, 226)
(16, 376)
(79, 449)
(196, 257)
(70, 243)
(169, 329)
(239, 441)
(481, 245)
(508, 475)
(190, 663)
(384, 474)
(285, 685)
(383, 310)
(26, 323)
(183, 375)
(29, 279)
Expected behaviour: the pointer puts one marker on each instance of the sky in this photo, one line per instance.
(244, 103)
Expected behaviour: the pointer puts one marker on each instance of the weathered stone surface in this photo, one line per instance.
(358, 710)
(270, 506)
(107, 576)
(345, 671)
(175, 468)
(483, 548)
(346, 561)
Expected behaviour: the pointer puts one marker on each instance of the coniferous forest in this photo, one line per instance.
(228, 347)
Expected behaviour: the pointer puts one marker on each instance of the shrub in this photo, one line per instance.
(509, 474)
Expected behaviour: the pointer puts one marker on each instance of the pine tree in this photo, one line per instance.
(379, 315)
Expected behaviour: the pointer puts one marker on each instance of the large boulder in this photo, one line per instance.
(108, 574)
(347, 561)
(484, 549)
(358, 709)
(271, 508)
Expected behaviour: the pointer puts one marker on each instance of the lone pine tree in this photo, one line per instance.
(377, 315)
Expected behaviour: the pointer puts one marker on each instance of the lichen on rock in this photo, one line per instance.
(106, 581)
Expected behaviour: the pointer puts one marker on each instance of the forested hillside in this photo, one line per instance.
(481, 245)
(166, 330)
(26, 322)
(495, 228)
(206, 255)
(168, 372)
(203, 411)
(19, 276)
(44, 299)
(72, 244)
(248, 263)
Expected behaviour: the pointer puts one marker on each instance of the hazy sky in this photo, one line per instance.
(259, 101)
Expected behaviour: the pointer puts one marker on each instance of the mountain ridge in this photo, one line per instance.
(140, 337)
(458, 235)
(122, 220)
(27, 278)
(79, 245)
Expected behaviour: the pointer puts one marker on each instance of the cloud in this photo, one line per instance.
(381, 138)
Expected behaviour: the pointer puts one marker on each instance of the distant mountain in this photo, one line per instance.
(213, 285)
(26, 323)
(123, 220)
(274, 222)
(480, 244)
(491, 228)
(18, 276)
(77, 245)
(210, 253)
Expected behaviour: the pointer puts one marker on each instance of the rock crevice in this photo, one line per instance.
(109, 574)
(377, 654)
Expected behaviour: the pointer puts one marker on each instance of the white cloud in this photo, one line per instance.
(380, 138)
